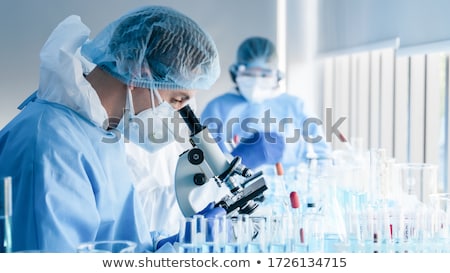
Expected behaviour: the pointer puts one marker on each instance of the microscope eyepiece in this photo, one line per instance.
(191, 120)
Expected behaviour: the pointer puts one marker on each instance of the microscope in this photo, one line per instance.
(204, 164)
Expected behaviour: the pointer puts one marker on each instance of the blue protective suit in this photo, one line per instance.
(229, 114)
(71, 182)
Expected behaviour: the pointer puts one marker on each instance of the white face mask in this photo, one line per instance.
(257, 89)
(153, 128)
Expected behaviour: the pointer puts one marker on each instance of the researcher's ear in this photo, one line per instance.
(234, 69)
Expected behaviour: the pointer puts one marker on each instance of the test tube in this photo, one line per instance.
(278, 234)
(187, 236)
(213, 232)
(258, 229)
(297, 233)
(239, 234)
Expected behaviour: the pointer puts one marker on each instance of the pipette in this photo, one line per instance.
(295, 204)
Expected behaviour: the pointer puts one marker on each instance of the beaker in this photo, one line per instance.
(418, 179)
(238, 234)
(258, 229)
(107, 246)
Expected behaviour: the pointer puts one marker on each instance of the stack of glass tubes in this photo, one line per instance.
(357, 201)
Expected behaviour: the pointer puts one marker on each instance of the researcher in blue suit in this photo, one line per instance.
(65, 149)
(257, 120)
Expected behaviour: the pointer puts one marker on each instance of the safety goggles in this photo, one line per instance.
(257, 72)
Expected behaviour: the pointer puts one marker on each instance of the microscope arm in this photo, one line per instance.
(205, 162)
(189, 177)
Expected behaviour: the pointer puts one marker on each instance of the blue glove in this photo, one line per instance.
(171, 240)
(260, 148)
(211, 212)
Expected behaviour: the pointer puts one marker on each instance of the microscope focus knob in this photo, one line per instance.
(199, 179)
(195, 156)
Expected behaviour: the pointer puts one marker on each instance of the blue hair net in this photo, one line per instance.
(255, 52)
(156, 47)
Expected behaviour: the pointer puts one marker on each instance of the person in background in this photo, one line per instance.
(264, 125)
(259, 121)
(65, 149)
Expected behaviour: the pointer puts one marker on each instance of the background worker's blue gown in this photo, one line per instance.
(229, 114)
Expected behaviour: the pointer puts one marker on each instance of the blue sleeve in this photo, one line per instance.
(315, 137)
(64, 198)
(213, 118)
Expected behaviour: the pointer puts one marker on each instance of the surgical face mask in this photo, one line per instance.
(153, 128)
(257, 89)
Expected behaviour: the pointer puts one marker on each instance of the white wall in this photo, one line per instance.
(352, 23)
(301, 48)
(313, 26)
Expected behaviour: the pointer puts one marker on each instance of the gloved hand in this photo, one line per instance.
(260, 148)
(208, 212)
(211, 212)
(171, 240)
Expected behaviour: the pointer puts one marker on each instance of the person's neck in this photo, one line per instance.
(112, 93)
